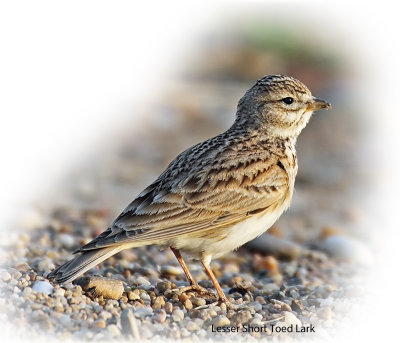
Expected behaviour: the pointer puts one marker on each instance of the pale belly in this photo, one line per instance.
(233, 237)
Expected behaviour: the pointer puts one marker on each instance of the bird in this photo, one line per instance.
(218, 194)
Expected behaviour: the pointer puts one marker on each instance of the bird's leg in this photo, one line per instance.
(194, 286)
(205, 260)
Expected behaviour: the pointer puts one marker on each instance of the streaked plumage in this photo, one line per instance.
(218, 194)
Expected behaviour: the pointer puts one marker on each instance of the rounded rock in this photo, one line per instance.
(220, 321)
(198, 301)
(99, 286)
(43, 287)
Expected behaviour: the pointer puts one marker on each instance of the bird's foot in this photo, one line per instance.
(196, 288)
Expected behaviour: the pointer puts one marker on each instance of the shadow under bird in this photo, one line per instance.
(219, 194)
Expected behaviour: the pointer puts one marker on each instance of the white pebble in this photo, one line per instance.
(347, 248)
(66, 240)
(143, 312)
(42, 287)
(290, 319)
(5, 276)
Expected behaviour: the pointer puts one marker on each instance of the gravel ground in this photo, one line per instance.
(138, 295)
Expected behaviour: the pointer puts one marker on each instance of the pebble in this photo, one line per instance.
(113, 330)
(188, 304)
(133, 295)
(98, 286)
(100, 324)
(129, 324)
(198, 301)
(171, 270)
(67, 240)
(168, 307)
(142, 312)
(347, 249)
(142, 281)
(160, 316)
(192, 326)
(5, 276)
(177, 315)
(43, 287)
(271, 245)
(220, 321)
(291, 319)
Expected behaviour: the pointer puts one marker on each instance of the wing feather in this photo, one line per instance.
(176, 205)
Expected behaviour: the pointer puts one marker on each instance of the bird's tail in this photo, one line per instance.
(70, 270)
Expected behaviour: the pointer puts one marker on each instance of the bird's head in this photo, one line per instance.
(279, 105)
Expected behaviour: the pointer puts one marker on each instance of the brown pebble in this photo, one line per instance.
(159, 302)
(100, 324)
(188, 304)
(183, 297)
(99, 286)
(260, 300)
(168, 307)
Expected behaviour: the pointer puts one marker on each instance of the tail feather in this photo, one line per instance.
(70, 270)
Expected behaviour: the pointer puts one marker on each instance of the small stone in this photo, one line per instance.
(270, 288)
(188, 304)
(347, 249)
(183, 297)
(5, 276)
(271, 245)
(113, 330)
(160, 316)
(43, 287)
(220, 321)
(177, 315)
(159, 302)
(192, 326)
(27, 291)
(66, 240)
(100, 324)
(291, 319)
(58, 307)
(142, 281)
(145, 297)
(260, 300)
(171, 270)
(129, 324)
(143, 312)
(23, 267)
(168, 307)
(133, 296)
(163, 286)
(198, 301)
(99, 286)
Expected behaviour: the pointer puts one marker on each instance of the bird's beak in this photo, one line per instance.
(318, 104)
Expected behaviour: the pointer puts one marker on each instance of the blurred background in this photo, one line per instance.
(198, 101)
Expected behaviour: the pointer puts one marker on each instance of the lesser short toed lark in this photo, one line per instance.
(218, 194)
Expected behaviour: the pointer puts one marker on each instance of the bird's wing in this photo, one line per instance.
(214, 198)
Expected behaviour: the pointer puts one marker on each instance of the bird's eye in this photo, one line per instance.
(287, 100)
